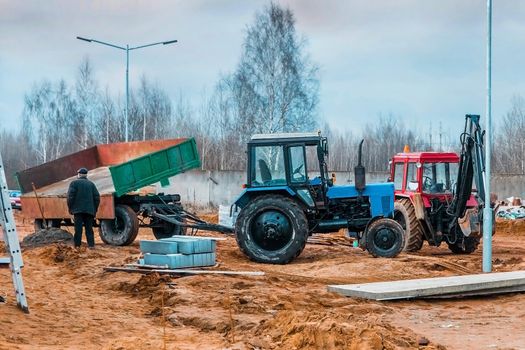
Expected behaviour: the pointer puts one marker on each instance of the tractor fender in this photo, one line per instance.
(250, 193)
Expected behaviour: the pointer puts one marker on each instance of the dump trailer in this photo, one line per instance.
(290, 196)
(120, 171)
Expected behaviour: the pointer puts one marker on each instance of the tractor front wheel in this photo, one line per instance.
(271, 229)
(385, 238)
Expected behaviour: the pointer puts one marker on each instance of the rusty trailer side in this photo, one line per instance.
(52, 179)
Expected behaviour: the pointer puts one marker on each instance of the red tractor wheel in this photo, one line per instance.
(405, 215)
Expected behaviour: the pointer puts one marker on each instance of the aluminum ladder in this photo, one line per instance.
(14, 260)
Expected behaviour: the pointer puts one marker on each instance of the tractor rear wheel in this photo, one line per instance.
(466, 245)
(271, 229)
(405, 215)
(385, 238)
(123, 229)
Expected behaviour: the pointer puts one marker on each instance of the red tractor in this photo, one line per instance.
(434, 198)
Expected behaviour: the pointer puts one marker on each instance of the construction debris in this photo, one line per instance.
(438, 287)
(512, 212)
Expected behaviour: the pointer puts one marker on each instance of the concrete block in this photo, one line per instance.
(173, 261)
(191, 245)
(206, 259)
(159, 247)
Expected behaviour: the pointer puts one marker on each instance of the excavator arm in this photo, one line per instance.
(471, 169)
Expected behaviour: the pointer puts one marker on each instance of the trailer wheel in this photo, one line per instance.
(122, 230)
(51, 223)
(271, 229)
(168, 230)
(405, 215)
(466, 245)
(385, 238)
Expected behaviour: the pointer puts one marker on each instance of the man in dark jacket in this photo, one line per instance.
(83, 200)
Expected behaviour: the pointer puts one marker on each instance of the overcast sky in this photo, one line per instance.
(419, 60)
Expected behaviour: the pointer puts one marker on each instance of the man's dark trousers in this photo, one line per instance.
(86, 220)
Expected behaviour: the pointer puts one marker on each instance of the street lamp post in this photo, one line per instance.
(127, 49)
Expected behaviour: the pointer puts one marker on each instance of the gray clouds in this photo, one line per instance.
(423, 60)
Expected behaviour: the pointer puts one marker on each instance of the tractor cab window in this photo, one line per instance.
(398, 175)
(312, 159)
(439, 177)
(297, 164)
(412, 183)
(268, 166)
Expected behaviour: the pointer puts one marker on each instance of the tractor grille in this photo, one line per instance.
(385, 203)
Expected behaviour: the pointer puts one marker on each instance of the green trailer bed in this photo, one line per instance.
(154, 167)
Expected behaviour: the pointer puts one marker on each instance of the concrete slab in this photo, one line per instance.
(434, 287)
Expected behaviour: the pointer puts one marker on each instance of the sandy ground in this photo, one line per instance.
(75, 304)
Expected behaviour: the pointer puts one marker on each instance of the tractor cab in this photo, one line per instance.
(290, 161)
(431, 174)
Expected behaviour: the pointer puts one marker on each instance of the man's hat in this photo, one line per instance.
(82, 171)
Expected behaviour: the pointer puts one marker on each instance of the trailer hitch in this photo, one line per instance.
(193, 222)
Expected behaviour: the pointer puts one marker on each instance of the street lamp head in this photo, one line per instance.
(84, 39)
(169, 42)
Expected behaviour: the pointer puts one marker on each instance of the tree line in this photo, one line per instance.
(274, 88)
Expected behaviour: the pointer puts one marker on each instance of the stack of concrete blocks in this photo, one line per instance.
(179, 252)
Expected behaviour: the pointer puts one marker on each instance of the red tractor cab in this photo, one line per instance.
(425, 183)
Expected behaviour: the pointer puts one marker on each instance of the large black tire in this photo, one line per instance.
(385, 238)
(51, 223)
(405, 215)
(466, 245)
(122, 230)
(271, 229)
(168, 230)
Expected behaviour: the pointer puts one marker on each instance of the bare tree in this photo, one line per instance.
(509, 153)
(88, 106)
(275, 86)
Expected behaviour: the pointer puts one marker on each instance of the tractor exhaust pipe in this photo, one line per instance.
(359, 171)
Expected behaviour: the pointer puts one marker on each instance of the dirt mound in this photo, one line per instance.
(145, 286)
(510, 227)
(64, 253)
(326, 330)
(47, 236)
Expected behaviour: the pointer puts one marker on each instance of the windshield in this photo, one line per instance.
(439, 177)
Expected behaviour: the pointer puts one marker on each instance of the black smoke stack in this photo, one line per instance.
(359, 171)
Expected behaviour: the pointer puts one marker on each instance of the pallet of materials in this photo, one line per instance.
(179, 252)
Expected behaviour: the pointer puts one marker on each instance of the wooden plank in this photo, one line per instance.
(428, 287)
(184, 271)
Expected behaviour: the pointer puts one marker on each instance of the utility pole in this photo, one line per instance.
(128, 49)
(487, 210)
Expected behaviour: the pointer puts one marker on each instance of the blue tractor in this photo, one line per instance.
(289, 196)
